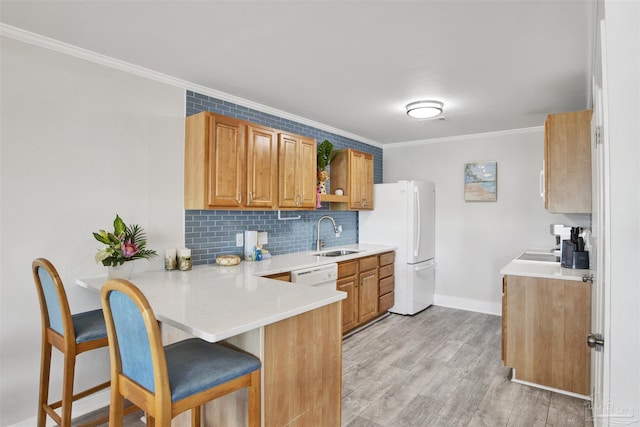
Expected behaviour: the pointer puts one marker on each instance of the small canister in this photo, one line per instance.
(170, 259)
(184, 259)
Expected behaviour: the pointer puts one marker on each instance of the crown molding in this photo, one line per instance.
(107, 61)
(461, 138)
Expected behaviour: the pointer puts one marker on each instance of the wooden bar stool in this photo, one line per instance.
(71, 334)
(166, 381)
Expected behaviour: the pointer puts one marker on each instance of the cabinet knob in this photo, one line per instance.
(250, 197)
(239, 197)
(595, 341)
(587, 278)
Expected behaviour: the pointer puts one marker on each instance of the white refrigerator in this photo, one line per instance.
(404, 216)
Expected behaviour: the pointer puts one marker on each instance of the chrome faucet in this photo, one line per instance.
(320, 243)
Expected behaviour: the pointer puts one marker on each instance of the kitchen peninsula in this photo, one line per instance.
(546, 317)
(294, 329)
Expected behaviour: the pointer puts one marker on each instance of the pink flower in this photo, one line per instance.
(129, 249)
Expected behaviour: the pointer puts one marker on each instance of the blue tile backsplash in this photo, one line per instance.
(209, 233)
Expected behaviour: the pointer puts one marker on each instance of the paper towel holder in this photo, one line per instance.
(281, 218)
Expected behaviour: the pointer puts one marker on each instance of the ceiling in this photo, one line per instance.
(350, 65)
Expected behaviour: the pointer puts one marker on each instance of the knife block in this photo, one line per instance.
(572, 258)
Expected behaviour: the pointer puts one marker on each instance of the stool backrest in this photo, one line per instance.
(135, 342)
(54, 306)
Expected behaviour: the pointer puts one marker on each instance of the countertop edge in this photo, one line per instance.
(543, 270)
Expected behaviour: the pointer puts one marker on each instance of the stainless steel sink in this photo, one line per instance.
(337, 252)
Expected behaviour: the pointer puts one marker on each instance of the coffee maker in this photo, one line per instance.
(561, 232)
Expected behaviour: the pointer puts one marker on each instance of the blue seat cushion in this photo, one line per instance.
(89, 326)
(195, 365)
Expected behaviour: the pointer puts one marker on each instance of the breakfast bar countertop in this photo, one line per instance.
(216, 302)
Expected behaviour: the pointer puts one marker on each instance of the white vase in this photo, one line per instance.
(123, 271)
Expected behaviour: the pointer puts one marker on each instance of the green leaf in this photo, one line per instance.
(102, 237)
(118, 226)
(325, 154)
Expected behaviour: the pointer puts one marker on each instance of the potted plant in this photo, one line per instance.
(126, 243)
(326, 155)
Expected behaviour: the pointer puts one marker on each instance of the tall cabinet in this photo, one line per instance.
(567, 162)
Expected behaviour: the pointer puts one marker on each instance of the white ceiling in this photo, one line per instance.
(350, 65)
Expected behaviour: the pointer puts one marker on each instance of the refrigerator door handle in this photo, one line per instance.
(426, 267)
(417, 217)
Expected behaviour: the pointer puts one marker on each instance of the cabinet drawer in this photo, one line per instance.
(387, 258)
(386, 285)
(385, 302)
(386, 271)
(347, 268)
(368, 263)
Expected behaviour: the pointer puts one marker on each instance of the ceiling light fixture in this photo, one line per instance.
(424, 109)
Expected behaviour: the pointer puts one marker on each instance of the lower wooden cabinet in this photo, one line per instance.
(367, 289)
(545, 325)
(369, 284)
(348, 282)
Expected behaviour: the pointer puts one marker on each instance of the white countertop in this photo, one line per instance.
(215, 302)
(548, 270)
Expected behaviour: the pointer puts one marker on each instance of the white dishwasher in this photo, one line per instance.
(321, 275)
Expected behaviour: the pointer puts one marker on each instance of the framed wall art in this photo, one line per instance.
(481, 182)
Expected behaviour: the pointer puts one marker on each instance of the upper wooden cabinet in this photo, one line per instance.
(213, 161)
(297, 171)
(262, 164)
(233, 164)
(352, 171)
(567, 162)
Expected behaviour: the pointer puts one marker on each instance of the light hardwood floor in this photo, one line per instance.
(440, 367)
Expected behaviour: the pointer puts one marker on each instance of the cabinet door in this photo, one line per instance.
(297, 172)
(262, 167)
(368, 295)
(568, 162)
(288, 196)
(307, 174)
(547, 321)
(360, 176)
(350, 304)
(226, 162)
(504, 319)
(356, 173)
(367, 182)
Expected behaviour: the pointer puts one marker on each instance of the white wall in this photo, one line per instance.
(623, 82)
(475, 240)
(80, 142)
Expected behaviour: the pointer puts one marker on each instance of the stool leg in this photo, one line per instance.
(116, 407)
(45, 373)
(67, 388)
(195, 416)
(254, 400)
